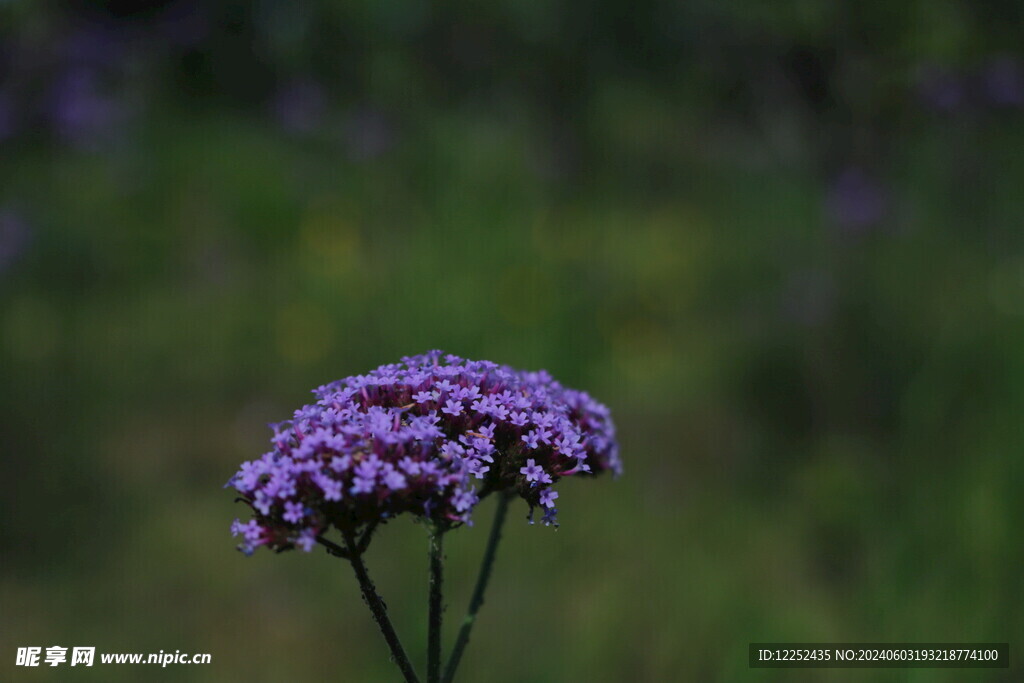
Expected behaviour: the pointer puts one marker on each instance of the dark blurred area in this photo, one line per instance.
(781, 240)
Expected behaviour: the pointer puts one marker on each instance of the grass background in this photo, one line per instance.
(818, 388)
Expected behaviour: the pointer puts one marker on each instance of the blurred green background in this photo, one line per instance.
(781, 240)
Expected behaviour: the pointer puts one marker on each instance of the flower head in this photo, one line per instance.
(429, 436)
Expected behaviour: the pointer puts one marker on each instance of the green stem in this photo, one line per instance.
(378, 608)
(436, 606)
(481, 585)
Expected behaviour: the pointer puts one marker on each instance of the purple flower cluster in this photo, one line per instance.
(856, 202)
(431, 436)
(998, 83)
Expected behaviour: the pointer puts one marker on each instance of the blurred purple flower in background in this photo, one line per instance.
(856, 202)
(300, 106)
(15, 236)
(80, 112)
(1003, 82)
(94, 46)
(183, 23)
(8, 116)
(368, 133)
(940, 88)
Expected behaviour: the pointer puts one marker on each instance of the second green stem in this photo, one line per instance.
(436, 607)
(477, 600)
